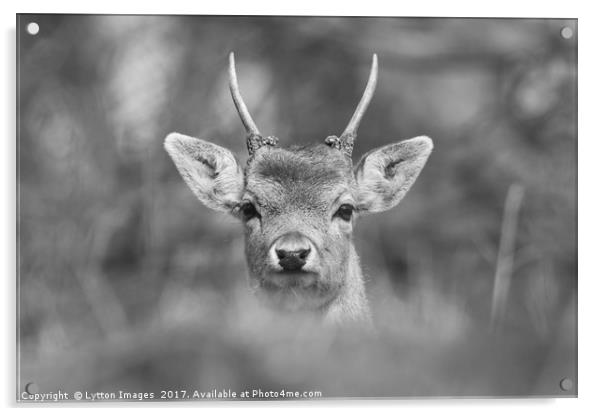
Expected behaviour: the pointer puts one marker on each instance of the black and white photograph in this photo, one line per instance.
(295, 208)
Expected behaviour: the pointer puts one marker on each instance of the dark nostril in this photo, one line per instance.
(304, 253)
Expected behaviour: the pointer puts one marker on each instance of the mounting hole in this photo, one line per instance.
(566, 384)
(566, 32)
(33, 28)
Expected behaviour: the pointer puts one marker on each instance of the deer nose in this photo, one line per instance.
(292, 250)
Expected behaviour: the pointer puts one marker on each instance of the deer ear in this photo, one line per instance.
(211, 171)
(384, 175)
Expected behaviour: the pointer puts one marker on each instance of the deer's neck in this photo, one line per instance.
(351, 305)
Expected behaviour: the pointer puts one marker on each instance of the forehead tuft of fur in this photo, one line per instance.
(303, 179)
(315, 165)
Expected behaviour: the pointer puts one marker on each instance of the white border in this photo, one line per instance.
(590, 209)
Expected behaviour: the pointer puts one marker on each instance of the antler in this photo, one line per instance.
(347, 138)
(254, 138)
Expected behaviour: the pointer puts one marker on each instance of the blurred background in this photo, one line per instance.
(127, 282)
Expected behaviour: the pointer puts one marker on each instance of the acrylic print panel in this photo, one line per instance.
(222, 262)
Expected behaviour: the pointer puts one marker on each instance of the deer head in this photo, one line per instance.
(298, 205)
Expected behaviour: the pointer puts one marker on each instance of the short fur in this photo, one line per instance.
(300, 190)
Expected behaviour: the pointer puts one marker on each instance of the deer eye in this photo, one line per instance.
(248, 211)
(344, 212)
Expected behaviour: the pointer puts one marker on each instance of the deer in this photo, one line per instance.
(298, 206)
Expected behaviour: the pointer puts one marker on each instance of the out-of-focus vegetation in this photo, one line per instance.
(127, 282)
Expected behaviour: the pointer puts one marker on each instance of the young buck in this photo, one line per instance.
(298, 206)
